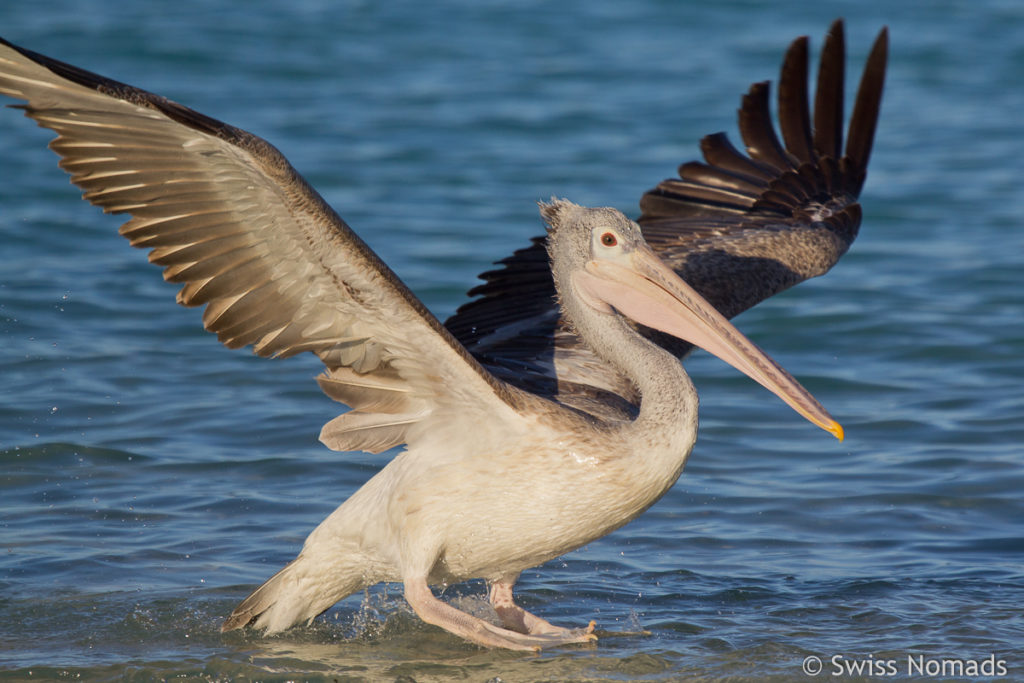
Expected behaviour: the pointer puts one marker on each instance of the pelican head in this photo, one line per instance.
(603, 267)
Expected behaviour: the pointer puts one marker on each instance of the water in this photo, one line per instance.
(151, 478)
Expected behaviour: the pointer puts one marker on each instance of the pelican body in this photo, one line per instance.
(529, 430)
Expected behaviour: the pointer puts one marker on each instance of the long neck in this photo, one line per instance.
(668, 406)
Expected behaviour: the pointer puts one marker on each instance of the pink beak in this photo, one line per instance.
(649, 292)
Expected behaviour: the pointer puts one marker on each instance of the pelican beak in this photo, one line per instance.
(646, 290)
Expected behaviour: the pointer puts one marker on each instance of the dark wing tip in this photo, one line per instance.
(866, 109)
(809, 163)
(757, 131)
(137, 96)
(828, 98)
(794, 110)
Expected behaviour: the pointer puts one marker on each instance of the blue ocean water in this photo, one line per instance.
(150, 478)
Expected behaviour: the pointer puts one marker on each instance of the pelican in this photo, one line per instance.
(548, 411)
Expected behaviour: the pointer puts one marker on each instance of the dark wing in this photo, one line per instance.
(738, 228)
(227, 217)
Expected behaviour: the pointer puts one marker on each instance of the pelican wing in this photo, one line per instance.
(738, 228)
(227, 217)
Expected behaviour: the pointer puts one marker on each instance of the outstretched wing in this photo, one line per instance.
(227, 217)
(738, 228)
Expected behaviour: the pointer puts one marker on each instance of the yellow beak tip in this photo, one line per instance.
(836, 429)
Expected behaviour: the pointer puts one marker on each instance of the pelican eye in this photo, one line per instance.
(609, 240)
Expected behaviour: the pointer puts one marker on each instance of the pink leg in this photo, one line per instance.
(516, 618)
(433, 611)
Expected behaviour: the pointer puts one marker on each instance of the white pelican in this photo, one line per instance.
(533, 424)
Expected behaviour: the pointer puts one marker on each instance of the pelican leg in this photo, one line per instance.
(438, 613)
(516, 618)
